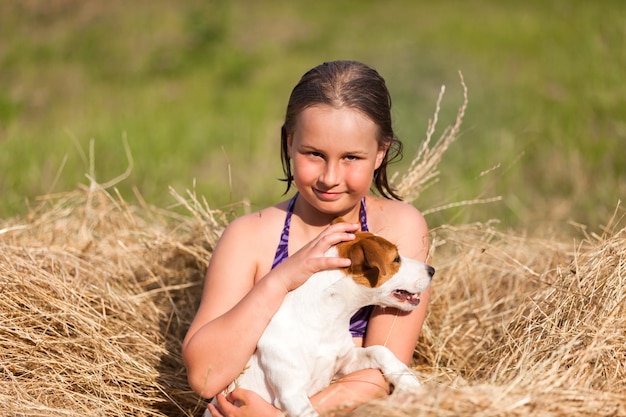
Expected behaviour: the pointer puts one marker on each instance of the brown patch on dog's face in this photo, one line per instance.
(374, 259)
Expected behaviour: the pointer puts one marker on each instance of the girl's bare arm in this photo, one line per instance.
(234, 311)
(231, 317)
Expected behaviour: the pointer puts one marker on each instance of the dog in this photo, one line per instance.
(307, 343)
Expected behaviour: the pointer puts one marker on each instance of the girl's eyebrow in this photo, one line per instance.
(356, 152)
(309, 148)
(316, 149)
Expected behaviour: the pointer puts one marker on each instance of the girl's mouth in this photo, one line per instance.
(327, 195)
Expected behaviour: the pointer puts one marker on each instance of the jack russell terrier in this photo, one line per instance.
(307, 342)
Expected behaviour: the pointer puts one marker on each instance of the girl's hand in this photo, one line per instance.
(250, 405)
(297, 268)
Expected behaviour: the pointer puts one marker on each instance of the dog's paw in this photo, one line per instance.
(406, 382)
(297, 406)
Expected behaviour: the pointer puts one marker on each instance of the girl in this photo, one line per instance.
(336, 142)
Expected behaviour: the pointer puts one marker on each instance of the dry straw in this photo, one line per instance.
(96, 296)
(423, 171)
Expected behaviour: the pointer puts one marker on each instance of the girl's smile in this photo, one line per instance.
(327, 196)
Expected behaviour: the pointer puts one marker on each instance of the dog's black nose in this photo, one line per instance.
(430, 270)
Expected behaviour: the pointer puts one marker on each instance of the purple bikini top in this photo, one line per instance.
(358, 322)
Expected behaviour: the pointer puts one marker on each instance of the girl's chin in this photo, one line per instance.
(332, 203)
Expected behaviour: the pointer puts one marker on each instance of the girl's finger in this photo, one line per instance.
(226, 408)
(214, 411)
(344, 227)
(236, 395)
(323, 263)
(330, 237)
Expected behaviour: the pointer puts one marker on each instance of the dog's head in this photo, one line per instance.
(376, 263)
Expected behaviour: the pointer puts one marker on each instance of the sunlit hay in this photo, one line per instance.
(549, 313)
(520, 326)
(96, 297)
(98, 294)
(487, 400)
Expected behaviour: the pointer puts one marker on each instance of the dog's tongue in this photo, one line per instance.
(409, 297)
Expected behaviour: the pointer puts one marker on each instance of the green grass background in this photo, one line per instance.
(199, 88)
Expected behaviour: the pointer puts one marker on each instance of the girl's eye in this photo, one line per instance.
(352, 158)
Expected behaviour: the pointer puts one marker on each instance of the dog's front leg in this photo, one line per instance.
(291, 394)
(380, 357)
(290, 381)
(297, 406)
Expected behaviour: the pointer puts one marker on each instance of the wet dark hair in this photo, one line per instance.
(348, 84)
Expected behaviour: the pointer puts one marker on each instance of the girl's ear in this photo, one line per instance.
(290, 144)
(380, 155)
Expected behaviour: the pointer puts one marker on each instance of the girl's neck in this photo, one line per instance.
(315, 218)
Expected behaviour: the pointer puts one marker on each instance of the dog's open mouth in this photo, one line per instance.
(409, 297)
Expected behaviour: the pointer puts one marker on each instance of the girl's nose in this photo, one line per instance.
(330, 175)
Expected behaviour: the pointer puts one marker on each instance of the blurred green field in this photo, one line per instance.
(199, 88)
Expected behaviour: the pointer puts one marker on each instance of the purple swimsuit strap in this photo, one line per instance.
(282, 251)
(358, 323)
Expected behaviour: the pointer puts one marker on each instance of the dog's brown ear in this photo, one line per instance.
(367, 262)
(338, 220)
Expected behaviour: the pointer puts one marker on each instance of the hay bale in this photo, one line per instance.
(520, 326)
(97, 296)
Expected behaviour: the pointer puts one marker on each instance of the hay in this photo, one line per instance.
(97, 296)
(521, 326)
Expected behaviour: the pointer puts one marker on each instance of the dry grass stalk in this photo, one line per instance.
(423, 172)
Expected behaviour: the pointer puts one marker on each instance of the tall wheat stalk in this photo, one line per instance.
(423, 171)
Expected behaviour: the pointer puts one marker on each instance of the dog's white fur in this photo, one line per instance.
(307, 342)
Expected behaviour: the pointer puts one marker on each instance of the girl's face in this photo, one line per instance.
(334, 153)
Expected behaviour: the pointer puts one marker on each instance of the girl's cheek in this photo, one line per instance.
(304, 168)
(359, 176)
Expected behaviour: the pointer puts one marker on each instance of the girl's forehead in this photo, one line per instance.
(335, 123)
(325, 111)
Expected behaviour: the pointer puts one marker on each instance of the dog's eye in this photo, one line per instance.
(396, 260)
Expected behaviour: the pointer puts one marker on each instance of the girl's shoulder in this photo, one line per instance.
(390, 213)
(251, 240)
(399, 222)
(260, 224)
